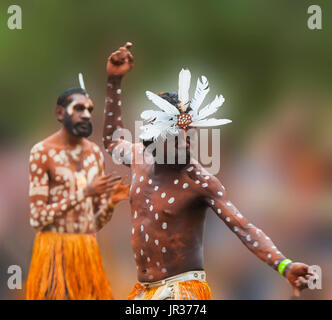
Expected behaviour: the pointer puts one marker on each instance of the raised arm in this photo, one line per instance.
(252, 237)
(119, 63)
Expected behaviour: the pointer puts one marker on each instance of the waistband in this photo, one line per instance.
(185, 276)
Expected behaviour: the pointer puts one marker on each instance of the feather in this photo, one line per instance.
(184, 85)
(211, 108)
(209, 122)
(150, 115)
(162, 103)
(149, 132)
(81, 81)
(202, 89)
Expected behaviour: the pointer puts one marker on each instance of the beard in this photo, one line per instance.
(82, 129)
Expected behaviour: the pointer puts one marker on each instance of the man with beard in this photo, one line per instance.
(71, 199)
(169, 200)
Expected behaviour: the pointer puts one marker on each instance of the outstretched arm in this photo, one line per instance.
(119, 63)
(252, 237)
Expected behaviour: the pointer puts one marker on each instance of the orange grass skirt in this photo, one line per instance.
(186, 290)
(67, 267)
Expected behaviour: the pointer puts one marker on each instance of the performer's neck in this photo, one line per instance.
(70, 139)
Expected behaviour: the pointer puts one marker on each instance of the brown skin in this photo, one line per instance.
(55, 200)
(177, 226)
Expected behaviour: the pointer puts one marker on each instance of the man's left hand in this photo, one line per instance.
(297, 275)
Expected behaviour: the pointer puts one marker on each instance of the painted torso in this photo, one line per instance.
(56, 180)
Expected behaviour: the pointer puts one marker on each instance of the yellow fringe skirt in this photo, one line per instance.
(185, 290)
(67, 267)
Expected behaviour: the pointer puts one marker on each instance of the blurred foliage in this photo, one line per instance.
(251, 51)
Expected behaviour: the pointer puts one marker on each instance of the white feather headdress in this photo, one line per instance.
(170, 119)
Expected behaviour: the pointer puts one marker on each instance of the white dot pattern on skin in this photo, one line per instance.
(228, 219)
(156, 216)
(138, 190)
(150, 181)
(197, 181)
(219, 211)
(171, 200)
(198, 172)
(156, 242)
(248, 237)
(212, 202)
(156, 188)
(158, 263)
(135, 215)
(190, 169)
(142, 227)
(269, 255)
(164, 225)
(255, 244)
(119, 103)
(132, 231)
(185, 185)
(141, 178)
(163, 270)
(163, 195)
(228, 203)
(142, 252)
(148, 259)
(176, 181)
(239, 215)
(146, 237)
(220, 193)
(163, 250)
(118, 91)
(147, 200)
(236, 229)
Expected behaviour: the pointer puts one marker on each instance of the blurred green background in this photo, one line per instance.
(275, 75)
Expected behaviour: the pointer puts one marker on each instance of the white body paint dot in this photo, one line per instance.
(171, 200)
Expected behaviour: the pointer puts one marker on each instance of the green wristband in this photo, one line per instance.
(283, 264)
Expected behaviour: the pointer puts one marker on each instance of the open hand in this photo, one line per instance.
(101, 184)
(120, 191)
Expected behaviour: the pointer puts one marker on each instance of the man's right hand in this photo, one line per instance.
(100, 185)
(121, 61)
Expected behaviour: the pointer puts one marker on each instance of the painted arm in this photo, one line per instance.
(119, 63)
(252, 237)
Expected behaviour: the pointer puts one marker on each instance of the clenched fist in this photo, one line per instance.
(121, 61)
(297, 275)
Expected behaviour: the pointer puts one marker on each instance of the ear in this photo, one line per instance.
(60, 113)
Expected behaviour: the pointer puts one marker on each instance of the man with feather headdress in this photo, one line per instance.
(169, 201)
